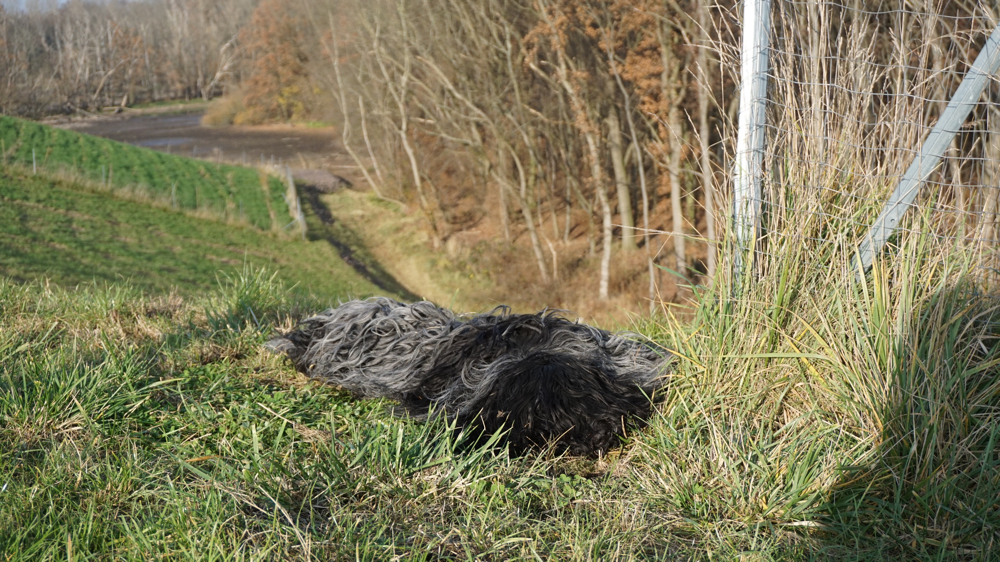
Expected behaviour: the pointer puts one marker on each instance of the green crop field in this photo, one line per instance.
(52, 229)
(231, 192)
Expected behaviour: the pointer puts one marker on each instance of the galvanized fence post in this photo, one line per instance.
(748, 172)
(940, 138)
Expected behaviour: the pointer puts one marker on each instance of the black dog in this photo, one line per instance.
(538, 376)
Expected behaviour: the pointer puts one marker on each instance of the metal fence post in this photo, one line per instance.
(750, 137)
(966, 97)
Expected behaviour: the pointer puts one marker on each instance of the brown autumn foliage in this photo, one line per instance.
(278, 86)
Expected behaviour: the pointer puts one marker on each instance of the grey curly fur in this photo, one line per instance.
(538, 375)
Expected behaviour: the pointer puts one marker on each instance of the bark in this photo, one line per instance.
(602, 197)
(398, 86)
(672, 90)
(621, 181)
(341, 95)
(529, 221)
(704, 95)
(586, 125)
(368, 145)
(673, 172)
(640, 165)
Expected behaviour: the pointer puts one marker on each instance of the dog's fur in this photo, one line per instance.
(539, 376)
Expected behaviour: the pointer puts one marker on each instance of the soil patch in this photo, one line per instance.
(184, 135)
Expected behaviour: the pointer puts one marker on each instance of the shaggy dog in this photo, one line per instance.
(540, 377)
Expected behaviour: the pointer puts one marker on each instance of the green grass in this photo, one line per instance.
(54, 229)
(839, 420)
(230, 192)
(818, 417)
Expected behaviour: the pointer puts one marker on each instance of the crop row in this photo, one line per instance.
(224, 190)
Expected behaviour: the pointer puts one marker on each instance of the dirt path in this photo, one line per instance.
(300, 147)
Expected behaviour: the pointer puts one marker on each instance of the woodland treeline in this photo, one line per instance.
(552, 117)
(625, 109)
(84, 55)
(540, 109)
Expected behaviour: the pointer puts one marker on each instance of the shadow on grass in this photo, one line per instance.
(350, 247)
(930, 489)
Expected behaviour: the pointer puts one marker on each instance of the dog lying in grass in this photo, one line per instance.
(540, 377)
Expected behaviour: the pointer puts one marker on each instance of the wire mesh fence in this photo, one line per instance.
(854, 92)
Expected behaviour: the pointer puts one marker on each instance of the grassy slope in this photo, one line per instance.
(232, 192)
(814, 418)
(847, 422)
(53, 229)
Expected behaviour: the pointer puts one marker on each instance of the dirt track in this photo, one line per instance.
(183, 134)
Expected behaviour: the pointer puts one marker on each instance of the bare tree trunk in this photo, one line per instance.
(552, 197)
(640, 165)
(621, 181)
(368, 144)
(586, 126)
(398, 88)
(341, 96)
(504, 214)
(704, 93)
(418, 183)
(669, 81)
(673, 172)
(568, 223)
(602, 197)
(589, 208)
(229, 55)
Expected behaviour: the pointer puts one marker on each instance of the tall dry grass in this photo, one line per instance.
(858, 415)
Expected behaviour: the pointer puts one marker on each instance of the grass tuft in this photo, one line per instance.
(247, 299)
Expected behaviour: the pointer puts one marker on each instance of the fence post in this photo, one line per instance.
(750, 136)
(294, 207)
(966, 97)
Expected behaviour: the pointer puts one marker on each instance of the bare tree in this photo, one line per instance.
(621, 181)
(704, 99)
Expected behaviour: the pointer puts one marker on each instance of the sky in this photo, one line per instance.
(21, 4)
(36, 4)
